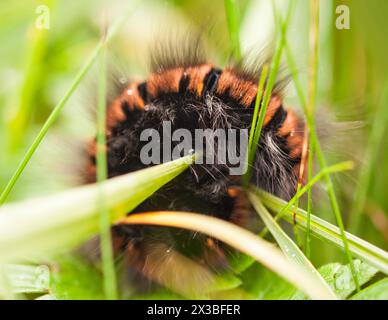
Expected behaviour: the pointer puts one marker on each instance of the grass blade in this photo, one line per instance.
(240, 239)
(267, 94)
(289, 247)
(310, 109)
(232, 17)
(48, 225)
(376, 136)
(251, 145)
(376, 291)
(328, 232)
(314, 142)
(58, 108)
(108, 269)
(342, 166)
(20, 121)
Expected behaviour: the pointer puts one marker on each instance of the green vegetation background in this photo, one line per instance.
(36, 67)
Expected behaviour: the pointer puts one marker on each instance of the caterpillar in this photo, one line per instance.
(191, 93)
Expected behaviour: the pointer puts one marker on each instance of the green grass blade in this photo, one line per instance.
(373, 148)
(376, 291)
(289, 248)
(233, 20)
(251, 146)
(58, 108)
(20, 121)
(328, 232)
(342, 166)
(240, 239)
(245, 261)
(108, 268)
(336, 208)
(50, 224)
(260, 90)
(314, 142)
(267, 94)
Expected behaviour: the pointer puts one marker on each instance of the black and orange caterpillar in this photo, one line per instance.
(191, 93)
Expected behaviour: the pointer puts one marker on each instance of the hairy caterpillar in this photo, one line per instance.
(191, 93)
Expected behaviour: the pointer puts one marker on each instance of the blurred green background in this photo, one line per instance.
(38, 65)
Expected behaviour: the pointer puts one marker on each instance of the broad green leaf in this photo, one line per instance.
(340, 278)
(73, 278)
(376, 291)
(264, 284)
(239, 262)
(27, 278)
(62, 221)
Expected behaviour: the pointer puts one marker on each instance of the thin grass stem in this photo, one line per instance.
(109, 275)
(372, 150)
(233, 20)
(268, 92)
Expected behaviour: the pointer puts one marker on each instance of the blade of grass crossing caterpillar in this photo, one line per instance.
(328, 232)
(289, 247)
(61, 221)
(240, 239)
(266, 96)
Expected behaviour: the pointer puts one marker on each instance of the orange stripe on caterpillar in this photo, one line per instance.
(274, 104)
(164, 82)
(114, 115)
(289, 125)
(245, 92)
(292, 131)
(197, 77)
(295, 145)
(130, 98)
(90, 173)
(242, 90)
(92, 148)
(91, 165)
(241, 207)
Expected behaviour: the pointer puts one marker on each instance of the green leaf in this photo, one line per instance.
(289, 247)
(51, 224)
(27, 278)
(376, 291)
(264, 284)
(340, 278)
(73, 278)
(239, 262)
